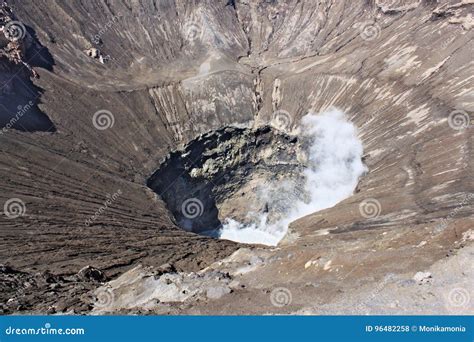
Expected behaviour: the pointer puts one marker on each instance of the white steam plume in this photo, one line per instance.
(333, 170)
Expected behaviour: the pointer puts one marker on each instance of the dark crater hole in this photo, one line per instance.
(228, 173)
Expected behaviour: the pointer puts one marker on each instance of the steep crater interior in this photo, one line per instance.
(248, 185)
(228, 174)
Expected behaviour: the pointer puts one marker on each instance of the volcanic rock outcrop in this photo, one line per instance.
(218, 176)
(76, 161)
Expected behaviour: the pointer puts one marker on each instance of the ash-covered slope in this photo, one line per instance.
(128, 82)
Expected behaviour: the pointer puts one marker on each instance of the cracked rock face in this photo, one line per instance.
(226, 174)
(175, 75)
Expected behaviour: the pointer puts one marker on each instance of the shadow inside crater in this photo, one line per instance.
(224, 174)
(19, 96)
(190, 199)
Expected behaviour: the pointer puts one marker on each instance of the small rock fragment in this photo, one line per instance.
(468, 235)
(421, 244)
(422, 277)
(327, 266)
(96, 54)
(90, 273)
(165, 268)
